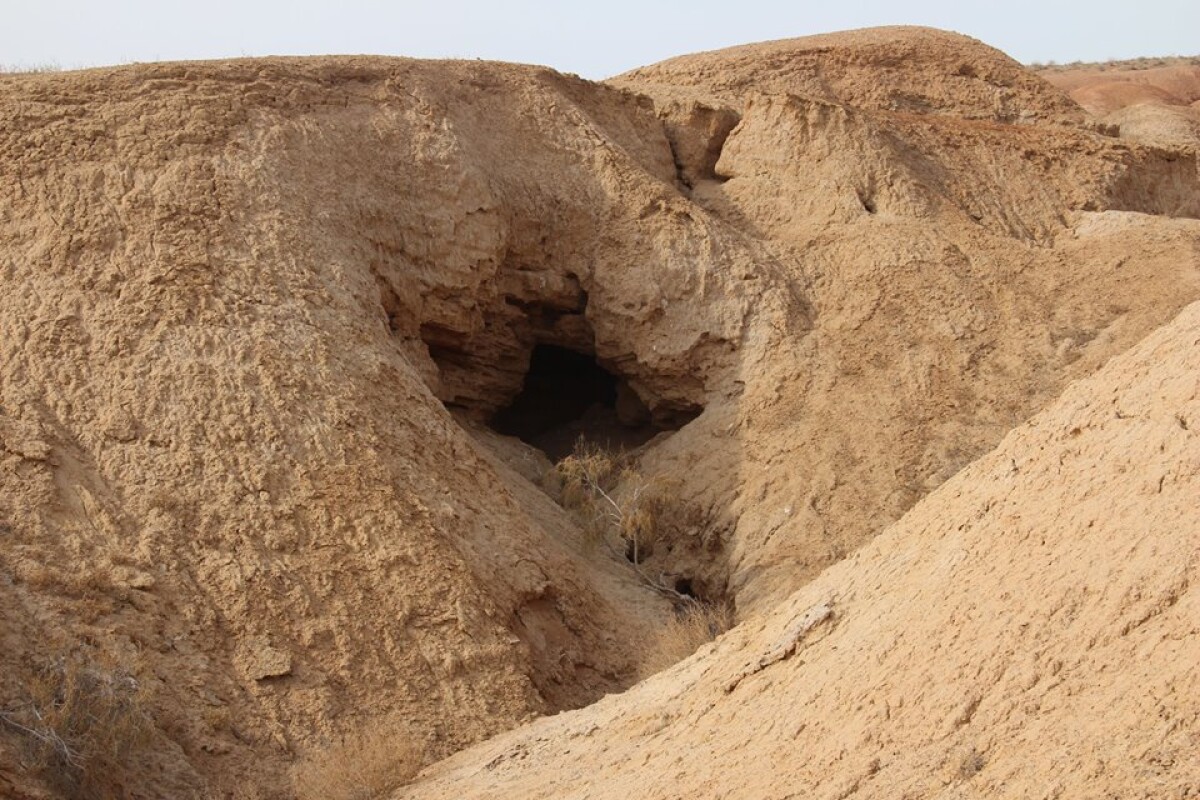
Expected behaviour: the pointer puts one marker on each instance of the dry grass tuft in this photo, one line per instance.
(366, 765)
(613, 499)
(694, 625)
(28, 69)
(85, 728)
(1120, 65)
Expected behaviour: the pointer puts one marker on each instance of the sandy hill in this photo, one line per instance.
(957, 270)
(1103, 88)
(1029, 629)
(919, 70)
(1156, 101)
(288, 347)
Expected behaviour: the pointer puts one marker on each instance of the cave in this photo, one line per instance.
(567, 395)
(530, 371)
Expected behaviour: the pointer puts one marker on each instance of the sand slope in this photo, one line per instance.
(1030, 629)
(960, 266)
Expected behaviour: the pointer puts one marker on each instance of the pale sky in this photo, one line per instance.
(593, 39)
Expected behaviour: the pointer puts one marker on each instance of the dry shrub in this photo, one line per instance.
(80, 582)
(692, 626)
(28, 69)
(613, 499)
(85, 728)
(367, 764)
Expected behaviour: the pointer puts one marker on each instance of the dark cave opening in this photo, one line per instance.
(566, 396)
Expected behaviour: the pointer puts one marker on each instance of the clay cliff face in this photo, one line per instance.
(258, 316)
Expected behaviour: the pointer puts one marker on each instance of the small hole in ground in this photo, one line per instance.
(684, 587)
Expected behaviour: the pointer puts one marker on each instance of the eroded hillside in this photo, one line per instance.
(1030, 628)
(960, 264)
(288, 346)
(1153, 100)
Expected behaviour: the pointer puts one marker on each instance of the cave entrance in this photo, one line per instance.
(567, 395)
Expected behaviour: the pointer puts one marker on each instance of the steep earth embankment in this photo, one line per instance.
(963, 258)
(1030, 629)
(224, 454)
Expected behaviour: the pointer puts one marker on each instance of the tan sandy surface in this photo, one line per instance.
(256, 314)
